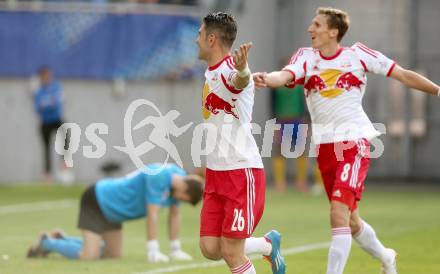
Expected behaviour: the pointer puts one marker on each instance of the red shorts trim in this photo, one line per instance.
(233, 202)
(344, 167)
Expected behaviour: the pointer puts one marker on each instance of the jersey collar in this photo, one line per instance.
(331, 57)
(218, 64)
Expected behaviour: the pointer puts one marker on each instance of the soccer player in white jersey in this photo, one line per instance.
(334, 79)
(233, 201)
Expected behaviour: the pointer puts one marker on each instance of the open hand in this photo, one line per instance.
(240, 56)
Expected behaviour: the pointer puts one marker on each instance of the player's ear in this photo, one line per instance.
(211, 39)
(333, 33)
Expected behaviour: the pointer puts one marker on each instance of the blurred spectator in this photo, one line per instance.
(48, 103)
(289, 109)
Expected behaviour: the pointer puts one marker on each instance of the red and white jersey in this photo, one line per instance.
(334, 87)
(229, 111)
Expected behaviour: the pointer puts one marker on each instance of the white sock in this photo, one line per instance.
(368, 241)
(257, 245)
(339, 250)
(246, 268)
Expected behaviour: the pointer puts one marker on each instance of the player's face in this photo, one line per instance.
(320, 33)
(202, 43)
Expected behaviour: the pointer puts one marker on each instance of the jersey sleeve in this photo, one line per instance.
(227, 73)
(374, 61)
(297, 66)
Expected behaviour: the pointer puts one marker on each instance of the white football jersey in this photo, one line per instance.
(334, 87)
(228, 111)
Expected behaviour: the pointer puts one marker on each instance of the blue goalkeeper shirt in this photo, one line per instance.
(126, 198)
(48, 102)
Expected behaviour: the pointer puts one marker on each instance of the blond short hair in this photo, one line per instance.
(336, 19)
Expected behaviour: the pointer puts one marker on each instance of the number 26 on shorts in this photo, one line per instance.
(238, 223)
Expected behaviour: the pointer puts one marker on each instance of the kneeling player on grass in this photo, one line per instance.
(110, 202)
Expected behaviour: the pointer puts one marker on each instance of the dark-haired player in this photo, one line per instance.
(111, 202)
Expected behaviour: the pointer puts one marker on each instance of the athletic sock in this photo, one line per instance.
(67, 248)
(257, 245)
(369, 242)
(246, 268)
(339, 250)
(73, 239)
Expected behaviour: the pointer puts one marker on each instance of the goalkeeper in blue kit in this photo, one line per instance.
(110, 202)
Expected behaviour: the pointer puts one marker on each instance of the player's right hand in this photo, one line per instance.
(157, 257)
(260, 79)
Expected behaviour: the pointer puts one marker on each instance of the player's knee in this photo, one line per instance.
(339, 217)
(228, 254)
(210, 252)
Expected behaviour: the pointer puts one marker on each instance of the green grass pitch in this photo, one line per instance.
(407, 220)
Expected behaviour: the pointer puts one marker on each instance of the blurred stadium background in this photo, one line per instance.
(109, 53)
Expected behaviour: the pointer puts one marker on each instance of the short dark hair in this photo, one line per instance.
(194, 188)
(336, 19)
(222, 23)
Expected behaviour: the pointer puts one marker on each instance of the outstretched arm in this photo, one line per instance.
(272, 80)
(414, 80)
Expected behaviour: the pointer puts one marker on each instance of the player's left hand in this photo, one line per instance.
(240, 56)
(180, 255)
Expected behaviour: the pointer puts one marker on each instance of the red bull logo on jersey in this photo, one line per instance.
(348, 81)
(331, 83)
(213, 104)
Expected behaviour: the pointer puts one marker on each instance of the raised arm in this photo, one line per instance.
(414, 80)
(241, 79)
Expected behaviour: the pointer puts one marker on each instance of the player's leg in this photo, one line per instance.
(45, 135)
(91, 249)
(211, 247)
(366, 237)
(233, 253)
(339, 210)
(341, 238)
(211, 218)
(244, 207)
(240, 194)
(113, 243)
(63, 246)
(93, 225)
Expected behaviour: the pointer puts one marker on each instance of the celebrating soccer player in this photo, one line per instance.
(233, 200)
(334, 79)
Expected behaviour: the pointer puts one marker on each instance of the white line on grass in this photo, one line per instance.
(288, 251)
(37, 206)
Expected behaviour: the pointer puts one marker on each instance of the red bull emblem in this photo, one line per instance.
(347, 81)
(214, 104)
(331, 83)
(314, 83)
